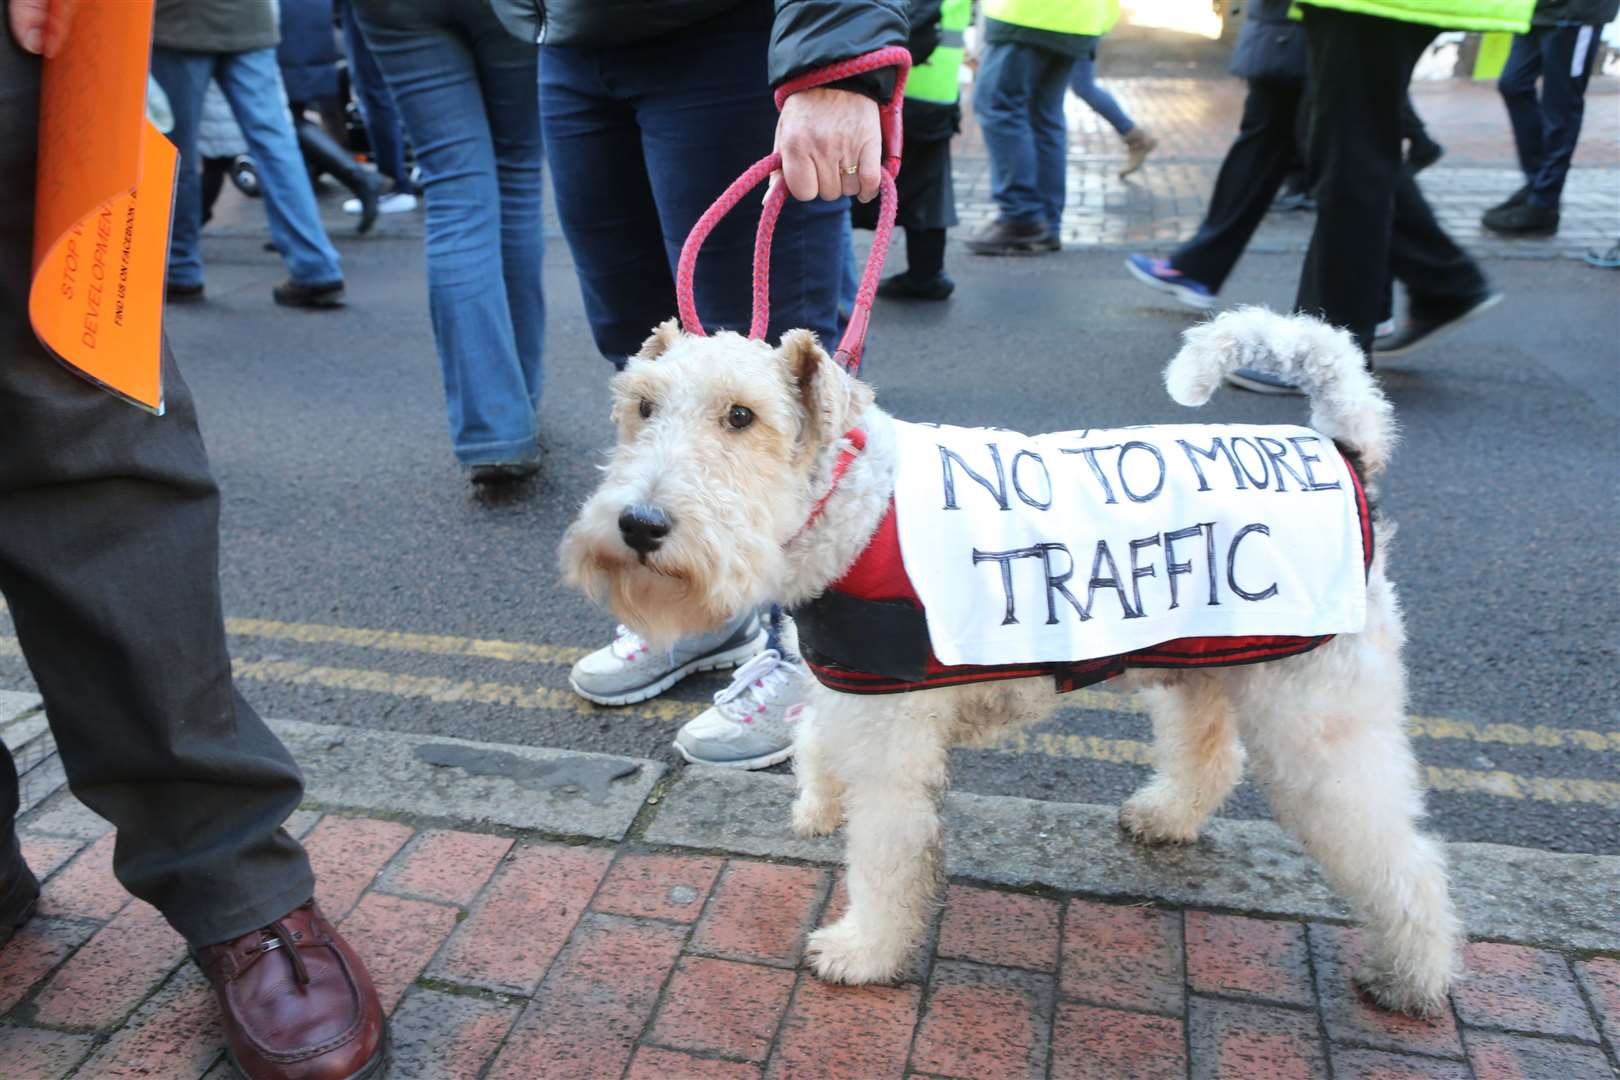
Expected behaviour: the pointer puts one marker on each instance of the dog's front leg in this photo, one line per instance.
(819, 807)
(893, 764)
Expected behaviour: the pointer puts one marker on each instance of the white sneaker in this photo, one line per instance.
(628, 670)
(752, 721)
(396, 202)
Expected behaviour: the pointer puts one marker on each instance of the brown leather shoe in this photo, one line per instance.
(297, 1002)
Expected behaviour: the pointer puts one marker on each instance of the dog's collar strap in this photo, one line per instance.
(854, 441)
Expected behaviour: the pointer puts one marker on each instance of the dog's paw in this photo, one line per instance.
(1402, 995)
(1148, 822)
(840, 954)
(814, 817)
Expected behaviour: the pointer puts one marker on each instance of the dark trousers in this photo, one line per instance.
(1255, 167)
(1546, 127)
(641, 139)
(1372, 219)
(109, 555)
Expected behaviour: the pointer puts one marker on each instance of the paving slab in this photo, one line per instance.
(523, 787)
(14, 704)
(23, 731)
(1509, 894)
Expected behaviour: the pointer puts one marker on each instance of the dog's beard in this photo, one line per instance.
(666, 595)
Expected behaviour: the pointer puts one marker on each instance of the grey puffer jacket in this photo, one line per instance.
(216, 26)
(805, 34)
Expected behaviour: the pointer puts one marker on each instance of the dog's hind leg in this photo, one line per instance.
(1328, 745)
(891, 755)
(1197, 761)
(818, 809)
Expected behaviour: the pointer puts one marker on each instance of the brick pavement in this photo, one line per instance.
(512, 956)
(1195, 120)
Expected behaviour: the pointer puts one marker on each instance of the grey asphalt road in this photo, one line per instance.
(368, 584)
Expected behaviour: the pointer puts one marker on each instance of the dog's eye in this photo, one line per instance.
(645, 408)
(740, 416)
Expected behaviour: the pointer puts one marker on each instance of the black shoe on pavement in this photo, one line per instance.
(296, 294)
(905, 287)
(1423, 153)
(1518, 198)
(496, 473)
(1003, 237)
(183, 294)
(1524, 219)
(1420, 328)
(19, 893)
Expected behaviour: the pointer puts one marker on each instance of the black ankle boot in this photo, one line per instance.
(324, 155)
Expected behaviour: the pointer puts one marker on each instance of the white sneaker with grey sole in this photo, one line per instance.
(752, 722)
(629, 670)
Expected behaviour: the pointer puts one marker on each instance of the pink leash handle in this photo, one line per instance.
(848, 354)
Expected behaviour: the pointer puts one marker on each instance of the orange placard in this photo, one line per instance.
(101, 215)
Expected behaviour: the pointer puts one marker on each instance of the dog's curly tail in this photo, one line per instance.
(1346, 403)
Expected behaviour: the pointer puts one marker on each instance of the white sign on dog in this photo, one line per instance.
(1092, 543)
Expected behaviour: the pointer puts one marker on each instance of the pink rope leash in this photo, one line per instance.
(848, 354)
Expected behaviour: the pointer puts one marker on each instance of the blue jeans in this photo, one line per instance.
(1546, 128)
(641, 139)
(376, 104)
(251, 82)
(1083, 81)
(1019, 104)
(464, 88)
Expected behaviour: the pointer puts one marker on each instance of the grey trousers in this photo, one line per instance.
(109, 563)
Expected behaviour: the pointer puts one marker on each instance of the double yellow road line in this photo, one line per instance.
(1496, 783)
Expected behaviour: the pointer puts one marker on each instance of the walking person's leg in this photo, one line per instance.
(509, 71)
(323, 154)
(1138, 143)
(1051, 137)
(1083, 81)
(1443, 282)
(1359, 69)
(433, 68)
(376, 109)
(1567, 56)
(1254, 168)
(251, 82)
(1517, 85)
(1003, 102)
(184, 77)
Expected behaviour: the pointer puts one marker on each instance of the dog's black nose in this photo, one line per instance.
(643, 527)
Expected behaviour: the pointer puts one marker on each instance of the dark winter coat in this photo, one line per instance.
(1270, 46)
(215, 26)
(1575, 12)
(805, 34)
(308, 53)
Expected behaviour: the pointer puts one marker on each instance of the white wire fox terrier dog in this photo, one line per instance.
(734, 483)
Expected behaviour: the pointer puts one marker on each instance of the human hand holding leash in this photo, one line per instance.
(831, 145)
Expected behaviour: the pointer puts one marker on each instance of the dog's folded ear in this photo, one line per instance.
(833, 401)
(663, 336)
